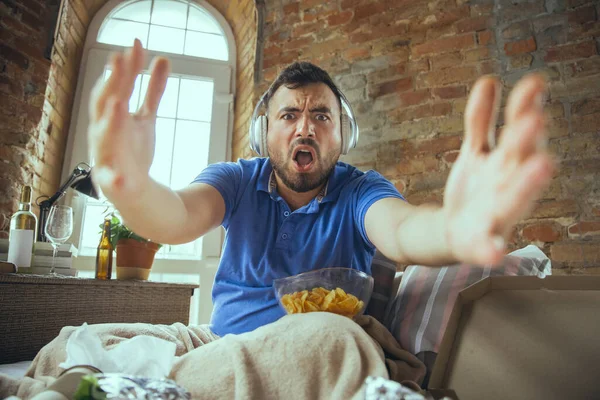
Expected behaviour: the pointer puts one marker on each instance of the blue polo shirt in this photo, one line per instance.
(265, 240)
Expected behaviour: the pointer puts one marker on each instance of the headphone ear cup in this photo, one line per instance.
(261, 135)
(255, 136)
(346, 133)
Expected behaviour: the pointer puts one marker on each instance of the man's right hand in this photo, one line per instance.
(122, 144)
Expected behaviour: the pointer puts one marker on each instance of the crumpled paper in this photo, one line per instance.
(145, 356)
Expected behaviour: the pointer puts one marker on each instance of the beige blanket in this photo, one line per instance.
(316, 356)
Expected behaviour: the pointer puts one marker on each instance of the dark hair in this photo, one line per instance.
(299, 74)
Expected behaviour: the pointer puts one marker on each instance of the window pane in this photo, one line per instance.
(169, 13)
(91, 231)
(138, 11)
(169, 40)
(195, 100)
(123, 33)
(199, 20)
(163, 153)
(168, 102)
(206, 45)
(144, 87)
(135, 96)
(187, 249)
(190, 156)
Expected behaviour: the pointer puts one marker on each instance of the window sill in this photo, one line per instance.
(88, 263)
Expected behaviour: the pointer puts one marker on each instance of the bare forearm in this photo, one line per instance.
(422, 238)
(160, 214)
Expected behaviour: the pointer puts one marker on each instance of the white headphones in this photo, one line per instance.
(258, 128)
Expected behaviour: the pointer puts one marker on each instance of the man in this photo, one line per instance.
(300, 209)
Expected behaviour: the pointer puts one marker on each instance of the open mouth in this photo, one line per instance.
(303, 157)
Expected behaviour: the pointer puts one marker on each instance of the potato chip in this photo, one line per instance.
(304, 296)
(310, 306)
(328, 299)
(298, 305)
(316, 298)
(348, 304)
(320, 299)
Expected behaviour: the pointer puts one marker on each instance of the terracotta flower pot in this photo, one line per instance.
(135, 258)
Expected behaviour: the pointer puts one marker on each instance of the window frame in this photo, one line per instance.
(92, 66)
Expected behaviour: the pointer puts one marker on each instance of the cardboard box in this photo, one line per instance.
(521, 337)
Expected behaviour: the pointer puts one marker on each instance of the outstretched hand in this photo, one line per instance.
(490, 190)
(122, 144)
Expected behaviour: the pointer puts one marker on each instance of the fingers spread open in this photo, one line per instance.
(520, 139)
(134, 61)
(108, 129)
(481, 114)
(156, 87)
(526, 185)
(525, 97)
(104, 90)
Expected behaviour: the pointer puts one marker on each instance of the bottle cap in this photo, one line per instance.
(26, 194)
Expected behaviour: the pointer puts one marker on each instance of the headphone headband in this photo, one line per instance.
(258, 127)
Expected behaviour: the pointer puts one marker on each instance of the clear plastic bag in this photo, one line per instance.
(119, 386)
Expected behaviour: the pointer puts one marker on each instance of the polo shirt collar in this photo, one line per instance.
(266, 182)
(334, 183)
(262, 183)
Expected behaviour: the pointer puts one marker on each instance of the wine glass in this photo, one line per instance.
(59, 228)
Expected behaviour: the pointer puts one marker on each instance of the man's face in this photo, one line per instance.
(304, 137)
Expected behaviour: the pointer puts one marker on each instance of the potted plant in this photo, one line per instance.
(135, 254)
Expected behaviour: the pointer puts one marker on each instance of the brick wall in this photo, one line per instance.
(407, 67)
(242, 17)
(23, 78)
(36, 94)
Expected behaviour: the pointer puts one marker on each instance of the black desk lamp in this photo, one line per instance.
(80, 180)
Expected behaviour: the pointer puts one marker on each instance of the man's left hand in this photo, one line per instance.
(490, 189)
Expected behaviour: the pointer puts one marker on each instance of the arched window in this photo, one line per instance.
(195, 115)
(170, 26)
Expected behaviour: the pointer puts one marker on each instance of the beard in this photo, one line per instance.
(302, 182)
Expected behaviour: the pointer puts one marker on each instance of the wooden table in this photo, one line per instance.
(34, 308)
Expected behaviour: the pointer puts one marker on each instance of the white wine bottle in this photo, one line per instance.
(23, 231)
